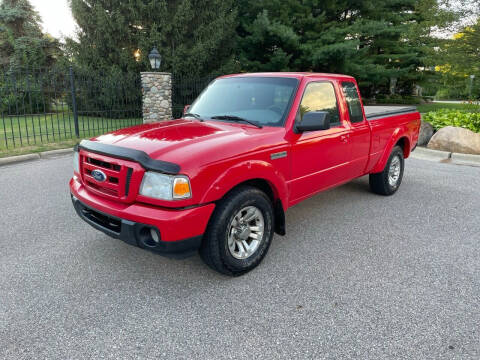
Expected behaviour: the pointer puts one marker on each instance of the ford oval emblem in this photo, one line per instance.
(99, 175)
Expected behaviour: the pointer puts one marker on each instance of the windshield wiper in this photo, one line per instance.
(196, 116)
(235, 118)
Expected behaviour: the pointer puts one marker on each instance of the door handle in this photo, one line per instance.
(344, 138)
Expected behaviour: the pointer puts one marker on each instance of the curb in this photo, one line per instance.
(54, 153)
(35, 156)
(465, 159)
(428, 154)
(18, 159)
(444, 156)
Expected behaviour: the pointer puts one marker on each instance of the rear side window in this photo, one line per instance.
(353, 101)
(320, 96)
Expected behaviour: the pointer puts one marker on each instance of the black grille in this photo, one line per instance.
(104, 164)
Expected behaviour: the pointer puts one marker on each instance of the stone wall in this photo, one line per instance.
(157, 96)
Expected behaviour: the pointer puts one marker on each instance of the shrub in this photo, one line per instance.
(457, 118)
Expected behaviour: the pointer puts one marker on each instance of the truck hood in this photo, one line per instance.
(190, 143)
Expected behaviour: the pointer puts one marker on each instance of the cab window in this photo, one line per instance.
(320, 96)
(353, 101)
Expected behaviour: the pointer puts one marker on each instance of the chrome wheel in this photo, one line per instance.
(394, 171)
(245, 232)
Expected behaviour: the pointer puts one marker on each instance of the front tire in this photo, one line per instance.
(388, 181)
(239, 233)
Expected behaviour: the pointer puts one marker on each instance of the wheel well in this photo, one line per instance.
(270, 191)
(263, 185)
(404, 143)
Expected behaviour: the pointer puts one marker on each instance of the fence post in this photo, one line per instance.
(74, 103)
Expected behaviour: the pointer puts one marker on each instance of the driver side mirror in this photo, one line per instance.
(314, 120)
(185, 109)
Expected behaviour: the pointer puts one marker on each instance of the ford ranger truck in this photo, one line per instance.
(220, 179)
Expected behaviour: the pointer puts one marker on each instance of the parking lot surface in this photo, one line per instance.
(358, 276)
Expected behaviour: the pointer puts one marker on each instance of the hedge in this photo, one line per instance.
(457, 118)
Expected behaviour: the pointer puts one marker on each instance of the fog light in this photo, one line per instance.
(154, 235)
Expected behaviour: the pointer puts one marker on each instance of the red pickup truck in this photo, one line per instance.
(220, 179)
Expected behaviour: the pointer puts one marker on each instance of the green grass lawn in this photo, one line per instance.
(424, 108)
(33, 133)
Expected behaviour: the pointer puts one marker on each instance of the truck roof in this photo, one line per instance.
(297, 75)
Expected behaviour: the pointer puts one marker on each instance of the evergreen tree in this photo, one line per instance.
(377, 41)
(22, 42)
(194, 37)
(269, 34)
(24, 49)
(387, 60)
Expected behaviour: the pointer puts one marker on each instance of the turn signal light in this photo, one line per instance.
(181, 188)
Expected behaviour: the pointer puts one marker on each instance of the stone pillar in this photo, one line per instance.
(157, 96)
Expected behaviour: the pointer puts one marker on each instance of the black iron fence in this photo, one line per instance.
(43, 106)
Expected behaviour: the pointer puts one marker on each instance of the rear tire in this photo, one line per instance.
(239, 233)
(388, 181)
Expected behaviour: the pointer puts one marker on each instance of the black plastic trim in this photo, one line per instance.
(127, 183)
(130, 154)
(131, 233)
(405, 110)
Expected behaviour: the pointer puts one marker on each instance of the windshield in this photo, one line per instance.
(262, 100)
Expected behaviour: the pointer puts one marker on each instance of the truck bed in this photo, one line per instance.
(375, 112)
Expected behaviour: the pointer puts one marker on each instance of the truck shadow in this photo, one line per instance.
(321, 220)
(323, 207)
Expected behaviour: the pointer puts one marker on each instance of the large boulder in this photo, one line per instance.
(455, 139)
(426, 133)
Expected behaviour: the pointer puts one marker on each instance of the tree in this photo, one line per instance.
(464, 50)
(22, 42)
(376, 41)
(457, 60)
(380, 42)
(24, 49)
(387, 60)
(268, 37)
(194, 37)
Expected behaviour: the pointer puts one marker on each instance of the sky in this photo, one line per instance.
(57, 17)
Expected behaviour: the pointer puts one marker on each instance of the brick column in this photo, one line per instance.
(157, 96)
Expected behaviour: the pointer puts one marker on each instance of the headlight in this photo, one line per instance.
(165, 187)
(76, 162)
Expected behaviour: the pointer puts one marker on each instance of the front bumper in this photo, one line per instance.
(179, 231)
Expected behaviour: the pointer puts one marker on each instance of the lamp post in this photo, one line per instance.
(472, 77)
(155, 59)
(156, 91)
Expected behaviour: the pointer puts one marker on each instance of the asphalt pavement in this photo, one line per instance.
(358, 276)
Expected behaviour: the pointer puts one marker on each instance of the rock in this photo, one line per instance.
(426, 133)
(455, 139)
